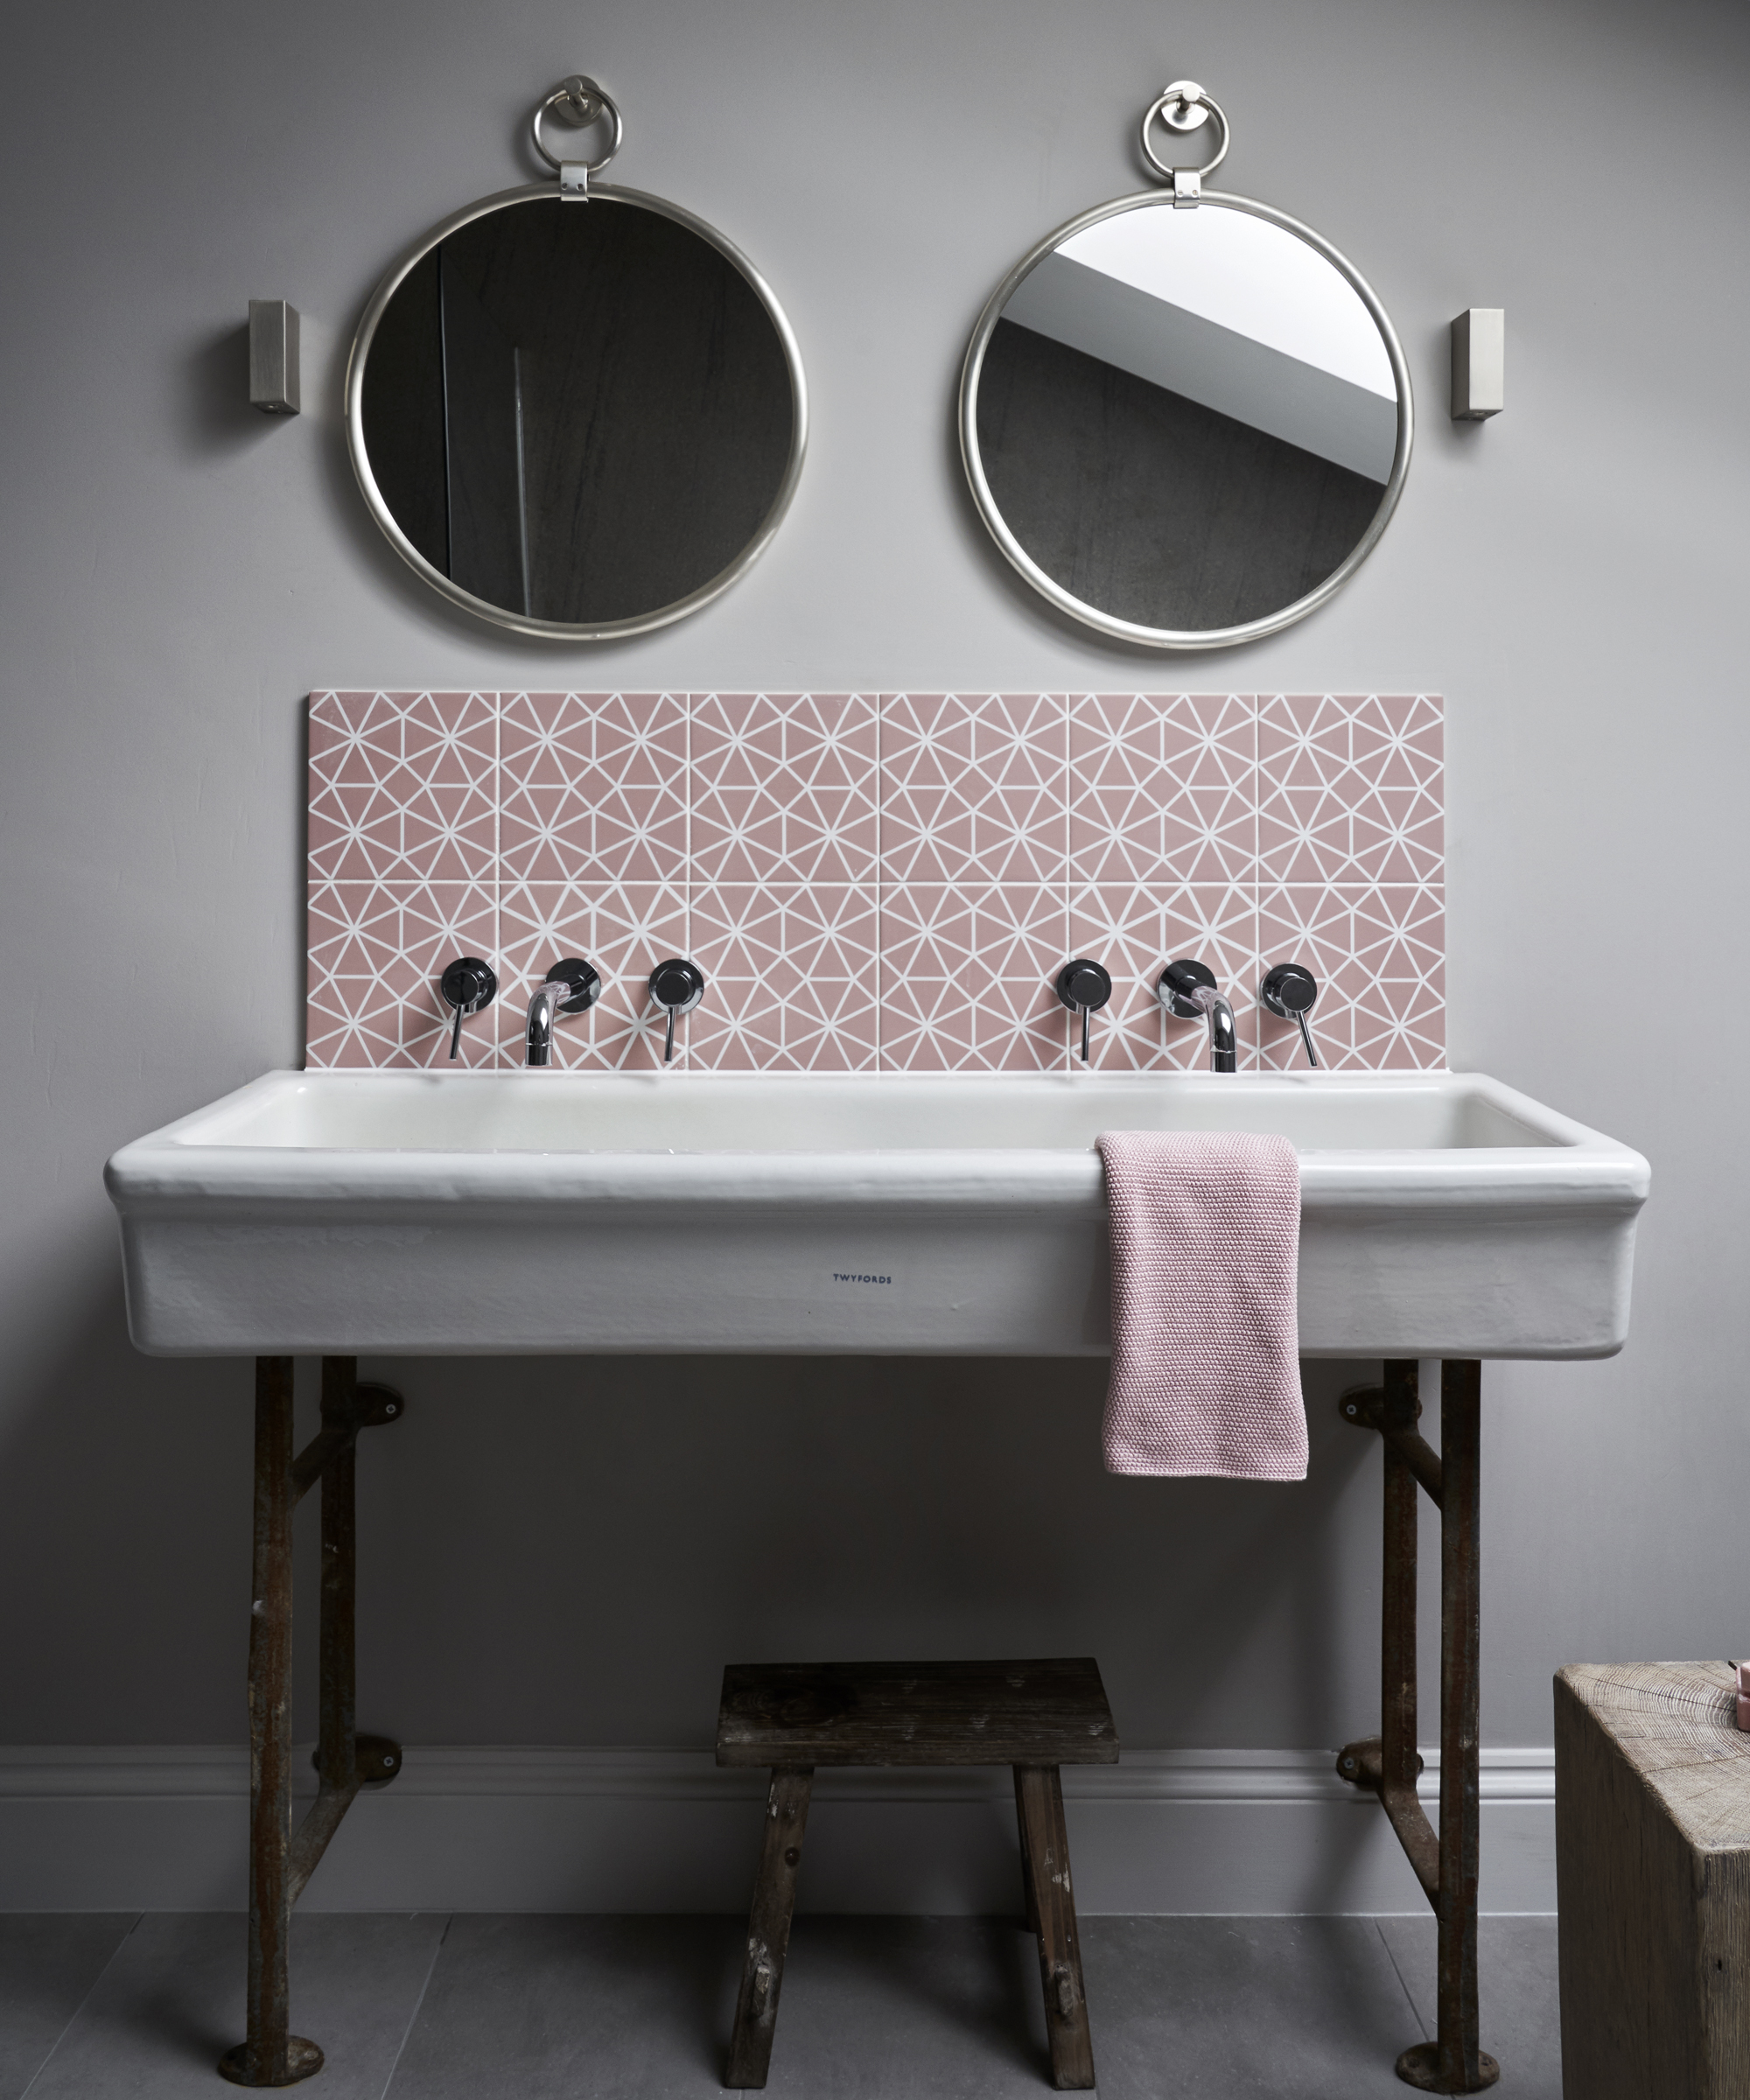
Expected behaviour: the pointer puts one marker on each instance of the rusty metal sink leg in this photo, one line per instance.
(280, 1863)
(1388, 1763)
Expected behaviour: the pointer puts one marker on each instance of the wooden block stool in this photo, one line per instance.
(1652, 1874)
(1035, 1716)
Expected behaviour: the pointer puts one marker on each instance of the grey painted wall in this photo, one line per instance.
(568, 1552)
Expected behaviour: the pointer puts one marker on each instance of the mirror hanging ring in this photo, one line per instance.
(578, 101)
(1183, 106)
(576, 410)
(1185, 416)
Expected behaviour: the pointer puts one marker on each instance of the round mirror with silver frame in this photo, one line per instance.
(1185, 416)
(576, 410)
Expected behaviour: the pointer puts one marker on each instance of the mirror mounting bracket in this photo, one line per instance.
(1183, 106)
(578, 101)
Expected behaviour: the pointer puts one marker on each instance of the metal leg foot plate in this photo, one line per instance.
(1420, 2067)
(303, 2059)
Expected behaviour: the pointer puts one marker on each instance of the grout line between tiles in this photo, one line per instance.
(67, 2027)
(418, 2006)
(1415, 2010)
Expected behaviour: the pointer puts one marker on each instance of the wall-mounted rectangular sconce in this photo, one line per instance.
(273, 357)
(1479, 363)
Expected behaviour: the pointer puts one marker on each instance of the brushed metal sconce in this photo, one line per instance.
(273, 357)
(1479, 363)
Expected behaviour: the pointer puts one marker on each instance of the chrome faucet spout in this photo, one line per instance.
(1222, 1042)
(1187, 988)
(542, 1008)
(570, 987)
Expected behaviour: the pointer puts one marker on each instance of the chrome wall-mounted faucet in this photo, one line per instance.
(676, 985)
(1083, 987)
(571, 987)
(1289, 992)
(1188, 990)
(467, 984)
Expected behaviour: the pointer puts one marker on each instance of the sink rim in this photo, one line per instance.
(176, 1166)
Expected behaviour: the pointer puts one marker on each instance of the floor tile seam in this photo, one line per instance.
(418, 2005)
(73, 2017)
(1396, 1970)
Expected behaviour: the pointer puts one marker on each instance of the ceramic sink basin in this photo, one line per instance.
(414, 1213)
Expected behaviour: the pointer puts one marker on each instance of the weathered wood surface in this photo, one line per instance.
(1032, 1715)
(1028, 1712)
(1653, 1873)
(1051, 1911)
(768, 1928)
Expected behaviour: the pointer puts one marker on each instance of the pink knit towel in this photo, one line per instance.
(1206, 1374)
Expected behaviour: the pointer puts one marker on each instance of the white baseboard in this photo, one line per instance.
(1167, 1832)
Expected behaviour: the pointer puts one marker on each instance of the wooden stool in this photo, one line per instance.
(1035, 1716)
(1652, 1874)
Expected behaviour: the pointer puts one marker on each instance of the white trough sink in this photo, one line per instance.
(553, 1212)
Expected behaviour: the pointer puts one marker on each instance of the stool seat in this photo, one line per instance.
(916, 1713)
(1032, 1715)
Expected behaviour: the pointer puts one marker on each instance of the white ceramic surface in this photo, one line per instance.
(489, 1212)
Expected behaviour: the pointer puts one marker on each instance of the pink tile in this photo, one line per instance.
(594, 787)
(1305, 827)
(404, 786)
(1379, 955)
(624, 929)
(967, 976)
(1135, 930)
(791, 977)
(1163, 787)
(376, 951)
(783, 787)
(1351, 788)
(974, 788)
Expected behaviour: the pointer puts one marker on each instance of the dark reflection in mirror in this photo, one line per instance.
(577, 412)
(1187, 420)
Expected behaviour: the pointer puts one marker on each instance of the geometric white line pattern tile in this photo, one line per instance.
(1163, 791)
(1135, 929)
(783, 787)
(1350, 790)
(966, 978)
(594, 787)
(875, 881)
(404, 786)
(376, 950)
(791, 969)
(975, 788)
(1378, 952)
(624, 929)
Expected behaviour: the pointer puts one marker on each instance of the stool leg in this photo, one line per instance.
(1029, 1907)
(1045, 1847)
(768, 1926)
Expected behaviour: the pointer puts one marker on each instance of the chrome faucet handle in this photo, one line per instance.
(1289, 992)
(583, 983)
(467, 984)
(1084, 987)
(1180, 982)
(677, 985)
(572, 986)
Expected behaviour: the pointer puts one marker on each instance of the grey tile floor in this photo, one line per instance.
(472, 2008)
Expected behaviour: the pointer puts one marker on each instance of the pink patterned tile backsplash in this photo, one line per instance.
(876, 882)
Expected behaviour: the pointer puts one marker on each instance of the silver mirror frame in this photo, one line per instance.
(558, 630)
(1124, 630)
